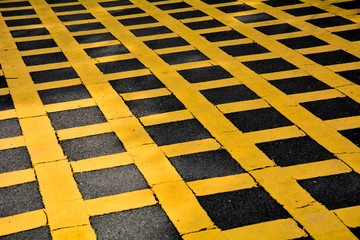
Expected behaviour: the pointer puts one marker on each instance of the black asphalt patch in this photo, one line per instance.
(351, 75)
(336, 191)
(136, 84)
(23, 22)
(64, 94)
(258, 17)
(353, 135)
(137, 21)
(170, 6)
(205, 74)
(236, 8)
(269, 65)
(10, 128)
(42, 233)
(333, 108)
(120, 66)
(330, 21)
(183, 57)
(29, 32)
(45, 58)
(241, 208)
(68, 8)
(91, 38)
(14, 4)
(14, 159)
(92, 146)
(110, 181)
(37, 44)
(23, 12)
(280, 3)
(229, 94)
(222, 36)
(348, 5)
(204, 24)
(295, 151)
(127, 11)
(302, 42)
(258, 119)
(351, 35)
(244, 49)
(277, 29)
(85, 27)
(76, 118)
(303, 11)
(106, 51)
(177, 132)
(299, 85)
(166, 43)
(115, 3)
(76, 17)
(157, 105)
(20, 199)
(333, 57)
(150, 31)
(53, 75)
(217, 1)
(205, 165)
(153, 224)
(6, 102)
(188, 14)
(3, 83)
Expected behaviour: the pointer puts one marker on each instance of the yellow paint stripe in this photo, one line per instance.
(7, 114)
(344, 66)
(233, 42)
(242, 106)
(222, 184)
(317, 169)
(17, 177)
(146, 25)
(158, 36)
(170, 195)
(22, 222)
(289, 35)
(275, 134)
(83, 131)
(319, 49)
(108, 161)
(58, 84)
(191, 65)
(14, 142)
(39, 51)
(216, 83)
(56, 107)
(96, 44)
(120, 202)
(114, 58)
(31, 38)
(25, 27)
(317, 95)
(174, 49)
(278, 229)
(152, 93)
(191, 147)
(344, 123)
(166, 117)
(50, 66)
(255, 57)
(128, 74)
(132, 16)
(349, 215)
(284, 74)
(209, 234)
(77, 232)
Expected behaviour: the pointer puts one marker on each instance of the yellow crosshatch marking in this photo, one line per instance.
(179, 119)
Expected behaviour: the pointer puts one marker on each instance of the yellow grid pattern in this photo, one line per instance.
(65, 211)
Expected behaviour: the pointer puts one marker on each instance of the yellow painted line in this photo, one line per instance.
(136, 15)
(317, 169)
(275, 134)
(170, 195)
(344, 123)
(314, 16)
(17, 177)
(255, 57)
(57, 107)
(17, 8)
(233, 42)
(62, 199)
(83, 131)
(208, 234)
(166, 117)
(31, 38)
(180, 10)
(222, 184)
(120, 202)
(191, 65)
(344, 66)
(212, 30)
(304, 209)
(7, 114)
(13, 142)
(127, 74)
(350, 216)
(152, 93)
(243, 106)
(351, 90)
(281, 229)
(71, 13)
(343, 27)
(216, 83)
(108, 161)
(58, 84)
(196, 19)
(145, 25)
(22, 222)
(316, 95)
(25, 27)
(319, 49)
(113, 58)
(39, 51)
(289, 35)
(50, 66)
(78, 232)
(191, 147)
(284, 74)
(174, 49)
(94, 31)
(80, 22)
(263, 24)
(158, 36)
(17, 17)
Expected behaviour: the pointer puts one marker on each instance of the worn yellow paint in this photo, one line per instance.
(6, 143)
(22, 222)
(57, 84)
(317, 95)
(317, 169)
(179, 149)
(284, 74)
(350, 216)
(107, 161)
(57, 107)
(120, 202)
(275, 134)
(190, 217)
(152, 93)
(83, 131)
(277, 229)
(157, 36)
(78, 232)
(114, 58)
(166, 117)
(17, 177)
(128, 74)
(211, 234)
(352, 159)
(49, 66)
(39, 51)
(7, 114)
(222, 184)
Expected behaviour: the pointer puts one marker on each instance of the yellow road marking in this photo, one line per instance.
(317, 95)
(83, 131)
(216, 83)
(222, 184)
(50, 66)
(152, 93)
(16, 177)
(57, 107)
(349, 215)
(275, 134)
(120, 202)
(13, 142)
(243, 106)
(7, 114)
(166, 117)
(78, 232)
(211, 234)
(344, 123)
(22, 222)
(58, 84)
